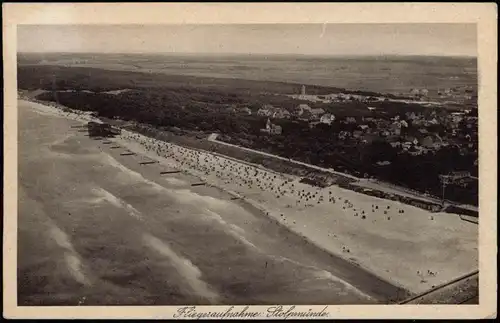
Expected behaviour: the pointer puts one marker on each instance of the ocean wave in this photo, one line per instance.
(191, 273)
(71, 257)
(115, 201)
(232, 229)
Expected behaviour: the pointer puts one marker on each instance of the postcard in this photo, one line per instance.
(250, 160)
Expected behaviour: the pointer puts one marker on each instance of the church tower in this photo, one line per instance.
(268, 124)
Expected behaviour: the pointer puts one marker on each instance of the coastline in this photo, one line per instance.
(318, 235)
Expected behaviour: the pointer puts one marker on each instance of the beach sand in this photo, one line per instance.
(405, 245)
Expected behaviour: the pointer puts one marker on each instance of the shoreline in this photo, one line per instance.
(271, 211)
(387, 292)
(248, 203)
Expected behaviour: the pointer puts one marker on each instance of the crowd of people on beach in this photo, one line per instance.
(249, 180)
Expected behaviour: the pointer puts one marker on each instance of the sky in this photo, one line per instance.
(307, 39)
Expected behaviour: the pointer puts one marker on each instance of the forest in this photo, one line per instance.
(203, 105)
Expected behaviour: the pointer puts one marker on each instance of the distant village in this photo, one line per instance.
(410, 132)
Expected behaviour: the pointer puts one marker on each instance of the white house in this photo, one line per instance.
(246, 110)
(281, 114)
(265, 112)
(327, 118)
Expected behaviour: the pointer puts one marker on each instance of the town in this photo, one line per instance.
(413, 133)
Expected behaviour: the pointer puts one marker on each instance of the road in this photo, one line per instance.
(213, 138)
(98, 228)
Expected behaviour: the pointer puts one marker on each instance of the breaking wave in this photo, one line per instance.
(232, 229)
(71, 257)
(184, 266)
(115, 201)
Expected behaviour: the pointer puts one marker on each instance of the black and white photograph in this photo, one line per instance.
(281, 165)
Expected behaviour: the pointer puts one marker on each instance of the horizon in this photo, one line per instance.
(251, 54)
(329, 40)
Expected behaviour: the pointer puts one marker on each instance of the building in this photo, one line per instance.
(303, 90)
(412, 140)
(423, 131)
(428, 142)
(433, 121)
(357, 133)
(350, 120)
(417, 92)
(246, 110)
(343, 135)
(272, 128)
(317, 111)
(456, 117)
(299, 110)
(102, 130)
(327, 118)
(395, 144)
(396, 128)
(281, 114)
(306, 116)
(411, 116)
(265, 111)
(385, 133)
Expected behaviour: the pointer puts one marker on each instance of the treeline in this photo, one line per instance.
(51, 77)
(158, 110)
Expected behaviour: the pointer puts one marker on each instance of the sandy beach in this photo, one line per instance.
(389, 239)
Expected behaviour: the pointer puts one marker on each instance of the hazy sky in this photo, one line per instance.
(315, 39)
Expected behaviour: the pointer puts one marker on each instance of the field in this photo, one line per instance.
(393, 75)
